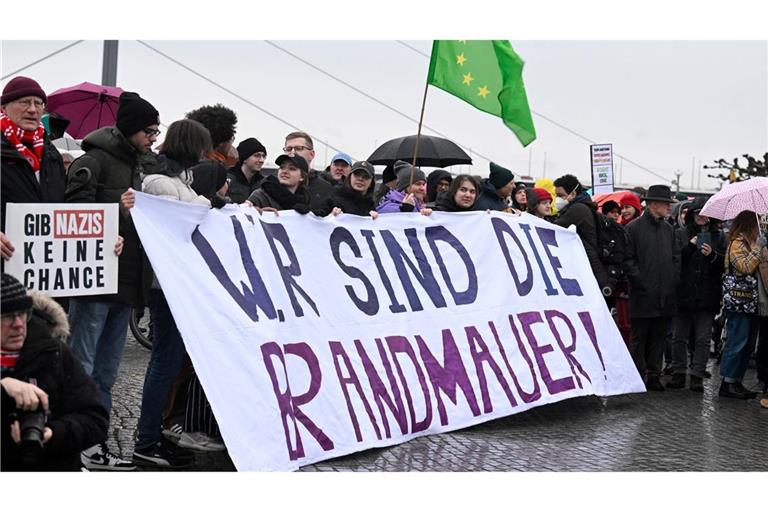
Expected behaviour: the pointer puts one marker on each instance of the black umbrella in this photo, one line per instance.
(433, 152)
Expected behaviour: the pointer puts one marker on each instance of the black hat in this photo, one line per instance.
(14, 295)
(297, 160)
(500, 176)
(388, 174)
(661, 193)
(610, 206)
(248, 147)
(404, 171)
(365, 167)
(134, 113)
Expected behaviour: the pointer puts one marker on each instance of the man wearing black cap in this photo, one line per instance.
(42, 380)
(32, 169)
(113, 162)
(653, 272)
(495, 189)
(245, 176)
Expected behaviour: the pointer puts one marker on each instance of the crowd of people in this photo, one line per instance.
(662, 273)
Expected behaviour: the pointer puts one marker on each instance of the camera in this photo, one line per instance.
(32, 427)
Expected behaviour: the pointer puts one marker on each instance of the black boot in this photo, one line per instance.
(677, 381)
(735, 390)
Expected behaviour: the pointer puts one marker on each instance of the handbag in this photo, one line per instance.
(740, 294)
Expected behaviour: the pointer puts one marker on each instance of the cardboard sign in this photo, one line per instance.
(602, 168)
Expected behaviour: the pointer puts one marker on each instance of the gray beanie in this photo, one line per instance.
(403, 171)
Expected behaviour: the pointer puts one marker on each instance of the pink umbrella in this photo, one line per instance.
(88, 106)
(750, 195)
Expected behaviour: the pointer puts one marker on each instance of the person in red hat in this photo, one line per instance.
(630, 208)
(32, 169)
(539, 202)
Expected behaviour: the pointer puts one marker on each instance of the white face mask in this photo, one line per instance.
(560, 203)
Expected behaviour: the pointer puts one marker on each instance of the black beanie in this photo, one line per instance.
(388, 174)
(248, 147)
(500, 176)
(14, 295)
(403, 171)
(135, 113)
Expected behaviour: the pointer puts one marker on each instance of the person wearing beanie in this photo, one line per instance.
(630, 208)
(496, 189)
(388, 182)
(611, 209)
(32, 168)
(33, 348)
(519, 197)
(115, 159)
(245, 176)
(539, 202)
(409, 192)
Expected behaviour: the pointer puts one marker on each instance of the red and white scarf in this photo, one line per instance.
(23, 140)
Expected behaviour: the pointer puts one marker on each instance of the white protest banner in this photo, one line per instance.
(602, 168)
(64, 250)
(318, 337)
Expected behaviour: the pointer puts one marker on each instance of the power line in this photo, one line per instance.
(233, 93)
(561, 126)
(360, 91)
(38, 61)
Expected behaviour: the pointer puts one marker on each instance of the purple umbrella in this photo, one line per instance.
(88, 106)
(750, 195)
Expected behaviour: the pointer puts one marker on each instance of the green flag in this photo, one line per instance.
(489, 76)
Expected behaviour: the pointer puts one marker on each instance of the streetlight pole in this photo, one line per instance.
(109, 64)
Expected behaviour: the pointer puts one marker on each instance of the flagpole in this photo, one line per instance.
(418, 132)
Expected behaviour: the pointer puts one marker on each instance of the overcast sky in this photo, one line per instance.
(664, 105)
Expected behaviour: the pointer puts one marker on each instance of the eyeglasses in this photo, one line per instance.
(149, 132)
(9, 318)
(39, 104)
(295, 149)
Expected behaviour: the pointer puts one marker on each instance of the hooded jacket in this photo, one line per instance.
(109, 167)
(19, 184)
(77, 417)
(701, 277)
(392, 202)
(488, 198)
(433, 179)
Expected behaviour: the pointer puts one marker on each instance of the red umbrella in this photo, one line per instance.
(600, 199)
(88, 106)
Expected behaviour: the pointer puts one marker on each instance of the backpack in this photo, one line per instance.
(612, 246)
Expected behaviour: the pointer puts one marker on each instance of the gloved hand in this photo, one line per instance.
(218, 202)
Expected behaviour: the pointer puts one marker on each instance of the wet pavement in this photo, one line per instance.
(676, 430)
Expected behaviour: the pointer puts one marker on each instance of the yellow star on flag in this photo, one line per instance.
(461, 59)
(467, 78)
(483, 91)
(463, 41)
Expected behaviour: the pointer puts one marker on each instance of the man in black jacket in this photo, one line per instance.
(41, 379)
(112, 164)
(653, 271)
(32, 168)
(245, 176)
(495, 189)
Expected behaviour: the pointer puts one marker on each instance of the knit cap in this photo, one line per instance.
(14, 296)
(403, 171)
(134, 113)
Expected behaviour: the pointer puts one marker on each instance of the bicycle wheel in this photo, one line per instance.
(140, 327)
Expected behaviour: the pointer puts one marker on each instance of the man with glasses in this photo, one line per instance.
(300, 143)
(43, 386)
(245, 176)
(32, 169)
(113, 162)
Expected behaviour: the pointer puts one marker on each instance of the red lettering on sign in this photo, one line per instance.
(78, 223)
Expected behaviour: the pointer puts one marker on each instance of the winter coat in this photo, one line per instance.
(488, 198)
(433, 179)
(239, 187)
(77, 417)
(171, 181)
(19, 184)
(319, 190)
(701, 277)
(653, 269)
(581, 213)
(349, 200)
(392, 202)
(108, 151)
(272, 194)
(445, 203)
